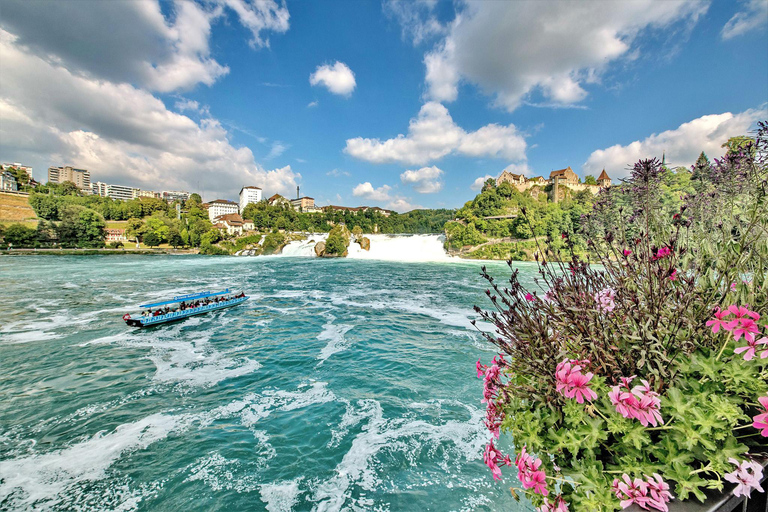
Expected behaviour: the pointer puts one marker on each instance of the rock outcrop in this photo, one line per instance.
(319, 249)
(365, 243)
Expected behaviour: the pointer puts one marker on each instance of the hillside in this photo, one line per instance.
(15, 208)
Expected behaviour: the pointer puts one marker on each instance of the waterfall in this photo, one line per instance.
(401, 248)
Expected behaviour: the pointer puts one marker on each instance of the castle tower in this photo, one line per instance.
(604, 181)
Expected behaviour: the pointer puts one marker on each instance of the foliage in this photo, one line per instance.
(151, 239)
(590, 180)
(80, 227)
(337, 241)
(661, 313)
(18, 235)
(272, 242)
(208, 248)
(117, 244)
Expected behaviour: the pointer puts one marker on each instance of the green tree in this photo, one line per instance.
(590, 180)
(174, 238)
(90, 228)
(18, 235)
(195, 198)
(272, 242)
(151, 239)
(46, 206)
(68, 188)
(736, 144)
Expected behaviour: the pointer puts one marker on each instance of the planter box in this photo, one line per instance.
(722, 501)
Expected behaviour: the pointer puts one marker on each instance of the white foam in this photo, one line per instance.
(466, 438)
(411, 248)
(39, 480)
(336, 337)
(281, 496)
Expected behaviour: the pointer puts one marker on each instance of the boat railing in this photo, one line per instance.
(188, 311)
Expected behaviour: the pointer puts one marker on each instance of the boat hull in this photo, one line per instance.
(175, 316)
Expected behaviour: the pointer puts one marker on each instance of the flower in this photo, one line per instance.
(480, 369)
(761, 420)
(719, 321)
(746, 327)
(659, 490)
(528, 296)
(743, 311)
(733, 287)
(558, 505)
(492, 457)
(605, 300)
(751, 348)
(529, 474)
(641, 403)
(662, 253)
(578, 387)
(673, 275)
(627, 252)
(637, 491)
(746, 476)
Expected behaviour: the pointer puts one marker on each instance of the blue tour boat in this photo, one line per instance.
(183, 306)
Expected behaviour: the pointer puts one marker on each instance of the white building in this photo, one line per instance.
(7, 182)
(249, 195)
(114, 191)
(175, 195)
(220, 207)
(80, 177)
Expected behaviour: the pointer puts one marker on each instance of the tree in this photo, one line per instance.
(68, 188)
(357, 231)
(736, 144)
(90, 228)
(151, 239)
(135, 228)
(117, 244)
(174, 238)
(46, 206)
(489, 184)
(19, 235)
(590, 180)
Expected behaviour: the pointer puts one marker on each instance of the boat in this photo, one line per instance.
(184, 306)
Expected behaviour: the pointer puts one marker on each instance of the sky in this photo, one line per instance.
(397, 104)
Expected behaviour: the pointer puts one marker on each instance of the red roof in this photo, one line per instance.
(603, 176)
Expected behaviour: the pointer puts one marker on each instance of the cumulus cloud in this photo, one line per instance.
(382, 195)
(337, 78)
(433, 134)
(367, 191)
(122, 134)
(425, 180)
(479, 182)
(514, 50)
(134, 42)
(416, 17)
(682, 145)
(754, 15)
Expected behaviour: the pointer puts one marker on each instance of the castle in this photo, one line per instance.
(562, 177)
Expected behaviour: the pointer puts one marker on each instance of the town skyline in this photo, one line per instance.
(393, 104)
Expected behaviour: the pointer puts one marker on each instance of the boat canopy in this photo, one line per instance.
(180, 298)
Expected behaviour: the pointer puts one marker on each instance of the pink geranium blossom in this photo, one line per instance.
(761, 420)
(746, 476)
(571, 383)
(746, 327)
(719, 321)
(558, 505)
(751, 348)
(743, 312)
(640, 403)
(528, 296)
(673, 275)
(529, 474)
(653, 492)
(662, 253)
(627, 252)
(605, 299)
(493, 458)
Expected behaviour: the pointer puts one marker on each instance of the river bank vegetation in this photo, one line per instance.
(643, 379)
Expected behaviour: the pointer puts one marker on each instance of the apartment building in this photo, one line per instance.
(175, 195)
(220, 207)
(80, 177)
(7, 182)
(303, 204)
(249, 195)
(102, 189)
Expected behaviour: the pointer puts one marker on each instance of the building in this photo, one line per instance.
(511, 178)
(220, 207)
(113, 191)
(8, 182)
(603, 180)
(17, 165)
(147, 193)
(249, 195)
(115, 235)
(303, 204)
(564, 177)
(175, 195)
(80, 177)
(233, 224)
(278, 200)
(355, 210)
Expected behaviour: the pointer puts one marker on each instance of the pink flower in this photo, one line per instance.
(719, 321)
(637, 491)
(673, 275)
(578, 387)
(538, 480)
(747, 327)
(605, 300)
(751, 348)
(746, 476)
(627, 252)
(660, 494)
(761, 420)
(528, 296)
(558, 505)
(743, 311)
(641, 403)
(662, 253)
(529, 474)
(492, 457)
(480, 369)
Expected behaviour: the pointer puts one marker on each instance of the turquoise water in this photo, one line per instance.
(341, 385)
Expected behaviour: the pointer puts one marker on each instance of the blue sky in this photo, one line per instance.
(394, 104)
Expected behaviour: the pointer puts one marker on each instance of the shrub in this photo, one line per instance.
(272, 242)
(639, 379)
(337, 241)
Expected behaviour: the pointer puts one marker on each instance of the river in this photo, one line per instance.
(343, 384)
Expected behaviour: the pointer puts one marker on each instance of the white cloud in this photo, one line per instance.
(513, 50)
(401, 205)
(185, 104)
(337, 173)
(367, 191)
(134, 42)
(338, 79)
(754, 15)
(479, 182)
(433, 135)
(312, 104)
(416, 17)
(682, 145)
(425, 180)
(278, 148)
(120, 133)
